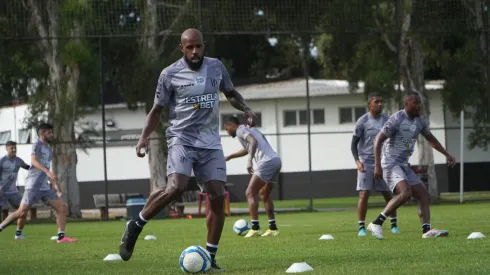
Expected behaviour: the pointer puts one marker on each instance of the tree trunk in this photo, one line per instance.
(157, 161)
(62, 104)
(411, 62)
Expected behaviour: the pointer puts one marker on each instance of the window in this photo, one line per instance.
(24, 136)
(4, 137)
(350, 114)
(299, 117)
(241, 118)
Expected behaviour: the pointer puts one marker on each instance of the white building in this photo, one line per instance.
(281, 110)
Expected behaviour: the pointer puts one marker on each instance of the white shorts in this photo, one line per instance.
(269, 170)
(397, 173)
(366, 181)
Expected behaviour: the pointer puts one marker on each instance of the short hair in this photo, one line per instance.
(233, 119)
(10, 143)
(372, 95)
(409, 95)
(45, 126)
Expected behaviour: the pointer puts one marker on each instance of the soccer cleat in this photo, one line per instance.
(253, 233)
(376, 230)
(215, 268)
(395, 230)
(435, 233)
(19, 237)
(67, 240)
(270, 233)
(362, 232)
(128, 240)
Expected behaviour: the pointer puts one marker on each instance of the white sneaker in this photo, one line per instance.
(435, 233)
(376, 230)
(19, 237)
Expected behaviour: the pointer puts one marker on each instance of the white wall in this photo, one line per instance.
(453, 140)
(330, 145)
(125, 119)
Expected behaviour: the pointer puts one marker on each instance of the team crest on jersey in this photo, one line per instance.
(413, 127)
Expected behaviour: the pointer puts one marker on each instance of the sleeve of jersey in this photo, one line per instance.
(425, 129)
(242, 133)
(164, 90)
(35, 149)
(391, 126)
(359, 130)
(226, 84)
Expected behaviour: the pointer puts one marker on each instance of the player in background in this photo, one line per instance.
(37, 187)
(367, 127)
(188, 89)
(263, 178)
(392, 148)
(9, 169)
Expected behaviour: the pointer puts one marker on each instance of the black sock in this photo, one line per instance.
(425, 228)
(380, 219)
(18, 232)
(212, 249)
(61, 235)
(362, 225)
(140, 221)
(393, 222)
(272, 225)
(255, 225)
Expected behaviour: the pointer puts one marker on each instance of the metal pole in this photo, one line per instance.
(199, 11)
(308, 119)
(102, 103)
(461, 162)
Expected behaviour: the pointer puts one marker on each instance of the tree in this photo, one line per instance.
(61, 99)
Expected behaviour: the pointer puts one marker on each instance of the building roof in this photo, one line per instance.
(296, 88)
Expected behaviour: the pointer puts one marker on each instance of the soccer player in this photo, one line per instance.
(9, 169)
(189, 90)
(37, 187)
(367, 127)
(397, 139)
(268, 167)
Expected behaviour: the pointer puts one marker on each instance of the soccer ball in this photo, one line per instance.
(241, 227)
(195, 259)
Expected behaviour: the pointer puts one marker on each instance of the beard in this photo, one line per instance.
(192, 65)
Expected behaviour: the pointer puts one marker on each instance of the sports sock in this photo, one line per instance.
(61, 235)
(272, 225)
(425, 228)
(255, 225)
(140, 221)
(380, 219)
(18, 232)
(393, 222)
(212, 249)
(362, 225)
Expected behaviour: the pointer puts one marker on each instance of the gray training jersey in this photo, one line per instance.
(37, 179)
(193, 102)
(264, 151)
(9, 168)
(402, 133)
(367, 128)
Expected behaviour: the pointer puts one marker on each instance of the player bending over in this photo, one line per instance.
(189, 90)
(9, 169)
(268, 167)
(400, 133)
(367, 127)
(37, 187)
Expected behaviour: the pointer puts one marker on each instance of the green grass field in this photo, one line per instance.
(406, 253)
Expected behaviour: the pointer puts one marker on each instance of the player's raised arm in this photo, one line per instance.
(235, 98)
(434, 142)
(238, 154)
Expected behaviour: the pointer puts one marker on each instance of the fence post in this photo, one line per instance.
(102, 103)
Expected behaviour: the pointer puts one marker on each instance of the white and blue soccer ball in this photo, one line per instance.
(241, 227)
(195, 259)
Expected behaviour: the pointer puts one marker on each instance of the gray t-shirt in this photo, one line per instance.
(367, 128)
(193, 102)
(402, 133)
(9, 169)
(264, 150)
(37, 179)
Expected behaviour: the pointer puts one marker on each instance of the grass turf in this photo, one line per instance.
(406, 253)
